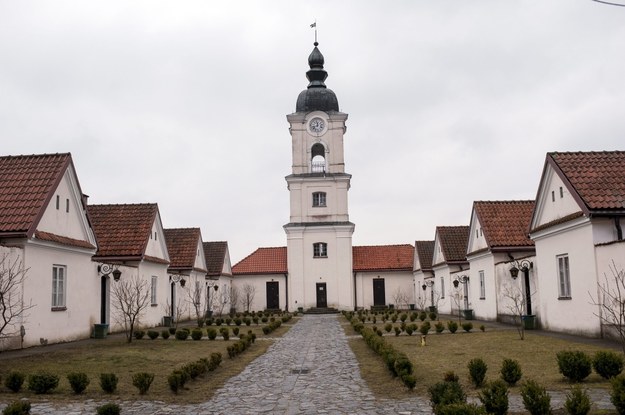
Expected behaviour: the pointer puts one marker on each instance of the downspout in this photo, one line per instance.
(286, 292)
(355, 294)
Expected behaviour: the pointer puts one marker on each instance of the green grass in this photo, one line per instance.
(114, 355)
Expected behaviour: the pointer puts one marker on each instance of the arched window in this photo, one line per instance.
(319, 199)
(318, 161)
(320, 250)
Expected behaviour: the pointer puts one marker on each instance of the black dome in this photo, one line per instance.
(317, 97)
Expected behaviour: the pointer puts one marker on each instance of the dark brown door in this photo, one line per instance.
(273, 295)
(322, 295)
(379, 295)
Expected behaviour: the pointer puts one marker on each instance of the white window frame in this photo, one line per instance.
(320, 250)
(482, 286)
(59, 286)
(564, 276)
(153, 291)
(319, 199)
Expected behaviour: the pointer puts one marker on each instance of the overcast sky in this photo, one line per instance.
(184, 103)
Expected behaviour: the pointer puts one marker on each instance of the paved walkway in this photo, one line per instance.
(310, 370)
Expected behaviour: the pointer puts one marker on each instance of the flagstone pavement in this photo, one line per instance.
(310, 370)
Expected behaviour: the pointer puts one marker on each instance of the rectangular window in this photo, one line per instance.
(482, 286)
(553, 196)
(67, 205)
(58, 202)
(564, 281)
(561, 192)
(320, 250)
(442, 287)
(58, 286)
(319, 199)
(153, 290)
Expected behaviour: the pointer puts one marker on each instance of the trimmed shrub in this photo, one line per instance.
(14, 381)
(228, 321)
(483, 328)
(452, 326)
(617, 395)
(108, 382)
(413, 316)
(388, 327)
(403, 317)
(432, 315)
(494, 397)
(78, 381)
(215, 360)
(422, 316)
(511, 371)
(109, 409)
(409, 329)
(225, 333)
(238, 321)
(607, 364)
(445, 393)
(165, 334)
(139, 334)
(451, 376)
(172, 330)
(196, 334)
(182, 335)
(17, 408)
(212, 333)
(477, 371)
(535, 398)
(461, 409)
(577, 401)
(152, 334)
(142, 381)
(397, 331)
(176, 380)
(425, 328)
(235, 331)
(218, 321)
(467, 326)
(439, 327)
(42, 382)
(574, 365)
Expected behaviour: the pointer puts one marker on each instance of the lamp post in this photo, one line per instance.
(429, 283)
(525, 266)
(104, 271)
(210, 284)
(173, 280)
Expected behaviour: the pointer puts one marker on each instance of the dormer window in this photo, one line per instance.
(319, 199)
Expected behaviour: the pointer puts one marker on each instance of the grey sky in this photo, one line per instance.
(184, 103)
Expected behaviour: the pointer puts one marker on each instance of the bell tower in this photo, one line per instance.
(319, 233)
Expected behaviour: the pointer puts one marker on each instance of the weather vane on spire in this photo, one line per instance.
(314, 25)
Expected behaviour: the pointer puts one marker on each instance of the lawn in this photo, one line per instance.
(157, 356)
(451, 352)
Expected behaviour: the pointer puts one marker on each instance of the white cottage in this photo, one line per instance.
(219, 279)
(46, 236)
(576, 227)
(423, 275)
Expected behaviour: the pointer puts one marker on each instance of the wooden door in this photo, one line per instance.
(379, 294)
(273, 295)
(322, 295)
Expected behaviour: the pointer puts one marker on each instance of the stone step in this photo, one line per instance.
(325, 310)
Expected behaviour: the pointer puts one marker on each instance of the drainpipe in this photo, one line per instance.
(286, 290)
(355, 294)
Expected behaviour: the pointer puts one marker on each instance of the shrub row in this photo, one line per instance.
(271, 326)
(397, 362)
(577, 365)
(240, 346)
(179, 377)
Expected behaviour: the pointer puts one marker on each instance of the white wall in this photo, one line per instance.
(259, 282)
(393, 281)
(483, 307)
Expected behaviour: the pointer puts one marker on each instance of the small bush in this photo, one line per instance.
(535, 398)
(494, 397)
(511, 371)
(14, 381)
(108, 382)
(607, 364)
(176, 380)
(413, 316)
(425, 328)
(152, 334)
(467, 326)
(139, 334)
(42, 382)
(17, 408)
(432, 315)
(218, 321)
(196, 334)
(388, 327)
(235, 331)
(211, 333)
(422, 316)
(452, 326)
(172, 330)
(225, 333)
(78, 381)
(445, 393)
(483, 328)
(577, 401)
(165, 334)
(439, 327)
(109, 409)
(397, 331)
(477, 371)
(215, 361)
(182, 335)
(461, 409)
(617, 395)
(574, 365)
(142, 381)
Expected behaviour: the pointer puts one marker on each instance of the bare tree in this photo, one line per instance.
(400, 297)
(223, 298)
(195, 295)
(249, 292)
(421, 301)
(131, 297)
(12, 306)
(212, 298)
(611, 302)
(235, 297)
(516, 306)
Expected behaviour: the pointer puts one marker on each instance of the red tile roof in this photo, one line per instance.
(505, 223)
(453, 241)
(215, 253)
(122, 230)
(27, 184)
(598, 178)
(383, 258)
(63, 240)
(263, 261)
(425, 252)
(182, 245)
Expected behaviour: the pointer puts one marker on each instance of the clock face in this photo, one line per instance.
(317, 125)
